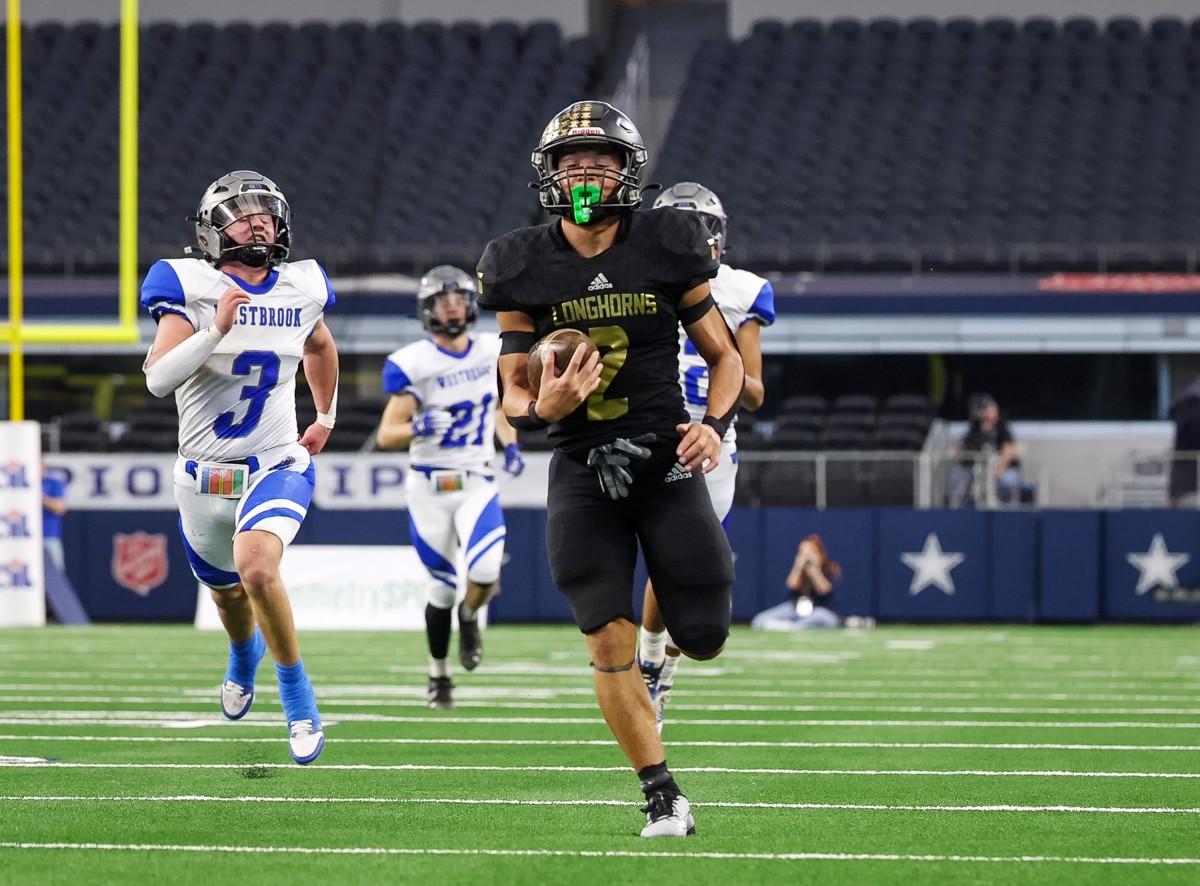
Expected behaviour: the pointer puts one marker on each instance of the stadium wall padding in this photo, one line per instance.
(898, 564)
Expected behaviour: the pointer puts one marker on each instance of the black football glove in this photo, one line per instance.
(612, 459)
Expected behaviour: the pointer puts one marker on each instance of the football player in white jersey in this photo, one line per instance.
(232, 329)
(747, 302)
(443, 408)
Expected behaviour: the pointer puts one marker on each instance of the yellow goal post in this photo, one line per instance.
(16, 332)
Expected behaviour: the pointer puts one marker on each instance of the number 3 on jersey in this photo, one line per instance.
(225, 426)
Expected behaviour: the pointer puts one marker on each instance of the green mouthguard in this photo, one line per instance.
(583, 198)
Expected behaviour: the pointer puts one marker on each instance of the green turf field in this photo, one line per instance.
(901, 755)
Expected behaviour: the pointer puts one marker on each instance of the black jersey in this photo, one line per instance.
(625, 299)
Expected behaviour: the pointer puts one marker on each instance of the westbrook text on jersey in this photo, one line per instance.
(464, 375)
(255, 315)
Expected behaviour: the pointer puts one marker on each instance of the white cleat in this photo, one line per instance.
(305, 742)
(235, 700)
(659, 701)
(668, 816)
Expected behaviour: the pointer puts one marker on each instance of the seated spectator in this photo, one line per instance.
(988, 441)
(810, 592)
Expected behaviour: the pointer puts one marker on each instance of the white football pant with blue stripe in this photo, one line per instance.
(276, 502)
(440, 523)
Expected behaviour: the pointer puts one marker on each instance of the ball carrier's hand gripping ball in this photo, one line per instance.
(559, 346)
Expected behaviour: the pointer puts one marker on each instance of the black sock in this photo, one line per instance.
(658, 778)
(437, 629)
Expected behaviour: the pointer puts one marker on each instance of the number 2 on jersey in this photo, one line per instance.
(615, 339)
(245, 363)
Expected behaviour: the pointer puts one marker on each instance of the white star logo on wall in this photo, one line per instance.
(1157, 566)
(931, 566)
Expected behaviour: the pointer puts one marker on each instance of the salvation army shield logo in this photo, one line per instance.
(139, 561)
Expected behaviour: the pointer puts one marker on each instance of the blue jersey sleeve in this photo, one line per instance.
(396, 381)
(330, 298)
(763, 309)
(162, 291)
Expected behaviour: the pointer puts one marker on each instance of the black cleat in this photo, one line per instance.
(470, 642)
(439, 693)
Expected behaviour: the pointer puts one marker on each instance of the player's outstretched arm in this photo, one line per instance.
(321, 371)
(701, 444)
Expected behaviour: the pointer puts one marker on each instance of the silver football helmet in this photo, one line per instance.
(697, 198)
(439, 281)
(236, 196)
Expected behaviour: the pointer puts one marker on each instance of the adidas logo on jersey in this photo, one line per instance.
(676, 473)
(600, 282)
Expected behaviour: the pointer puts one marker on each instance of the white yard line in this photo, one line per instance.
(33, 763)
(906, 745)
(608, 853)
(185, 720)
(486, 686)
(471, 801)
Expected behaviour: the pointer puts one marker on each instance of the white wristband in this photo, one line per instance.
(326, 420)
(214, 334)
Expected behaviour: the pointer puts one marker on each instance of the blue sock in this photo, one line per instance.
(296, 693)
(244, 658)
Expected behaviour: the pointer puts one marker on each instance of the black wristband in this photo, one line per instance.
(716, 424)
(531, 421)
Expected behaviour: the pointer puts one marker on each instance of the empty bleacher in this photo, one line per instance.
(852, 144)
(969, 144)
(393, 143)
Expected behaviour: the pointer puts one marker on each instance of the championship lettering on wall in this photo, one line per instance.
(345, 481)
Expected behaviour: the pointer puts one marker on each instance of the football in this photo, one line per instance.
(562, 344)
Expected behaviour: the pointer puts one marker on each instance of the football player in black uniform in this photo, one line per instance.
(627, 465)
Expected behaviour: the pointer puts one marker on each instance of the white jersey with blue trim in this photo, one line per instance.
(242, 399)
(462, 384)
(742, 297)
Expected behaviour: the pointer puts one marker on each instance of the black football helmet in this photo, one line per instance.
(697, 198)
(234, 196)
(439, 281)
(580, 125)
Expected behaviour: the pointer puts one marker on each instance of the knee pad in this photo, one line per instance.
(486, 568)
(440, 595)
(701, 639)
(697, 617)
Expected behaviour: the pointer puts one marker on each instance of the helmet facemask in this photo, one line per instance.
(586, 200)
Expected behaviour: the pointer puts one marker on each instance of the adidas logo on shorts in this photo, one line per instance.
(676, 473)
(600, 282)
